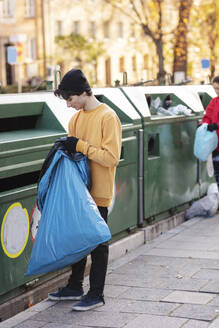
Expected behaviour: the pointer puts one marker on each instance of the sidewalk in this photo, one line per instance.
(172, 282)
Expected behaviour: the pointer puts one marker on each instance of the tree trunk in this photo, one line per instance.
(180, 47)
(159, 49)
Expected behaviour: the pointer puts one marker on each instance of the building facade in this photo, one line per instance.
(21, 25)
(34, 25)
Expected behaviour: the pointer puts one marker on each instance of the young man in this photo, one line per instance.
(95, 131)
(212, 118)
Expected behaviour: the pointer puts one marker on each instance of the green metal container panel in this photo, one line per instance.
(123, 213)
(205, 92)
(170, 168)
(29, 125)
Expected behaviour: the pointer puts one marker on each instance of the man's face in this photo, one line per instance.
(216, 88)
(77, 102)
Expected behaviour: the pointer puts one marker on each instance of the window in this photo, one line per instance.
(76, 27)
(8, 8)
(121, 64)
(132, 30)
(134, 64)
(120, 30)
(106, 29)
(145, 61)
(59, 26)
(30, 8)
(92, 30)
(31, 49)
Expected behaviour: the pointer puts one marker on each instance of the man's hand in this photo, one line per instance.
(212, 127)
(69, 143)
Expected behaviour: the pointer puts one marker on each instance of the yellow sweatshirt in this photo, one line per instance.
(99, 133)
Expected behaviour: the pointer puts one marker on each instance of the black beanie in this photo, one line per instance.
(75, 82)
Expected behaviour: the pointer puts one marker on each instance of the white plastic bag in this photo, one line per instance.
(205, 142)
(206, 206)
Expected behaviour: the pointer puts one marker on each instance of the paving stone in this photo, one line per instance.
(66, 316)
(196, 324)
(30, 324)
(146, 294)
(184, 253)
(207, 274)
(132, 306)
(215, 301)
(151, 321)
(198, 312)
(215, 324)
(123, 280)
(189, 297)
(57, 325)
(115, 291)
(181, 283)
(211, 287)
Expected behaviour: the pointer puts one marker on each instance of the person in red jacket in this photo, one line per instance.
(211, 117)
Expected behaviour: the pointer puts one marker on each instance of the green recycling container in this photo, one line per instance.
(29, 125)
(171, 172)
(123, 213)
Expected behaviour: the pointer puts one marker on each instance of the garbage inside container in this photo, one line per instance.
(165, 108)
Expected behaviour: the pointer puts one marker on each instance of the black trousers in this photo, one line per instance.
(216, 171)
(99, 261)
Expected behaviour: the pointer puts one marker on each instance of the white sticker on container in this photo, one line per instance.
(15, 230)
(35, 221)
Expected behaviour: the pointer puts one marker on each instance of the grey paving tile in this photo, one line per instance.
(115, 291)
(132, 306)
(65, 316)
(30, 324)
(198, 312)
(209, 274)
(18, 319)
(122, 280)
(214, 324)
(215, 301)
(184, 253)
(189, 297)
(196, 324)
(145, 294)
(211, 287)
(146, 321)
(117, 320)
(182, 283)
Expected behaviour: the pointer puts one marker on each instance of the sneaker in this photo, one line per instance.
(88, 302)
(65, 293)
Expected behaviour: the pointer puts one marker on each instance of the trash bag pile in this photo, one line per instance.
(71, 225)
(206, 206)
(157, 108)
(205, 142)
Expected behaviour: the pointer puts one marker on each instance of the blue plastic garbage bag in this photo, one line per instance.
(71, 225)
(205, 142)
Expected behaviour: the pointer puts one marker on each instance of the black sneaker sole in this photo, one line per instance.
(86, 308)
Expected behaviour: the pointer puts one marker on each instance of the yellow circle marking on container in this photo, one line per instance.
(15, 230)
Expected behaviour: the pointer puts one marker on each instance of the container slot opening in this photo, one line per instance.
(153, 145)
(122, 153)
(18, 123)
(19, 181)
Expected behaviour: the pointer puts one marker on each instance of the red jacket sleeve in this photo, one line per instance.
(209, 111)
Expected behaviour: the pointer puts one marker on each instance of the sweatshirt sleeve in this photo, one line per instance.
(207, 118)
(108, 154)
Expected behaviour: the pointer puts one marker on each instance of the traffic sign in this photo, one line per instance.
(19, 51)
(205, 63)
(12, 55)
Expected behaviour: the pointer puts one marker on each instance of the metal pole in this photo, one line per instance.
(140, 177)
